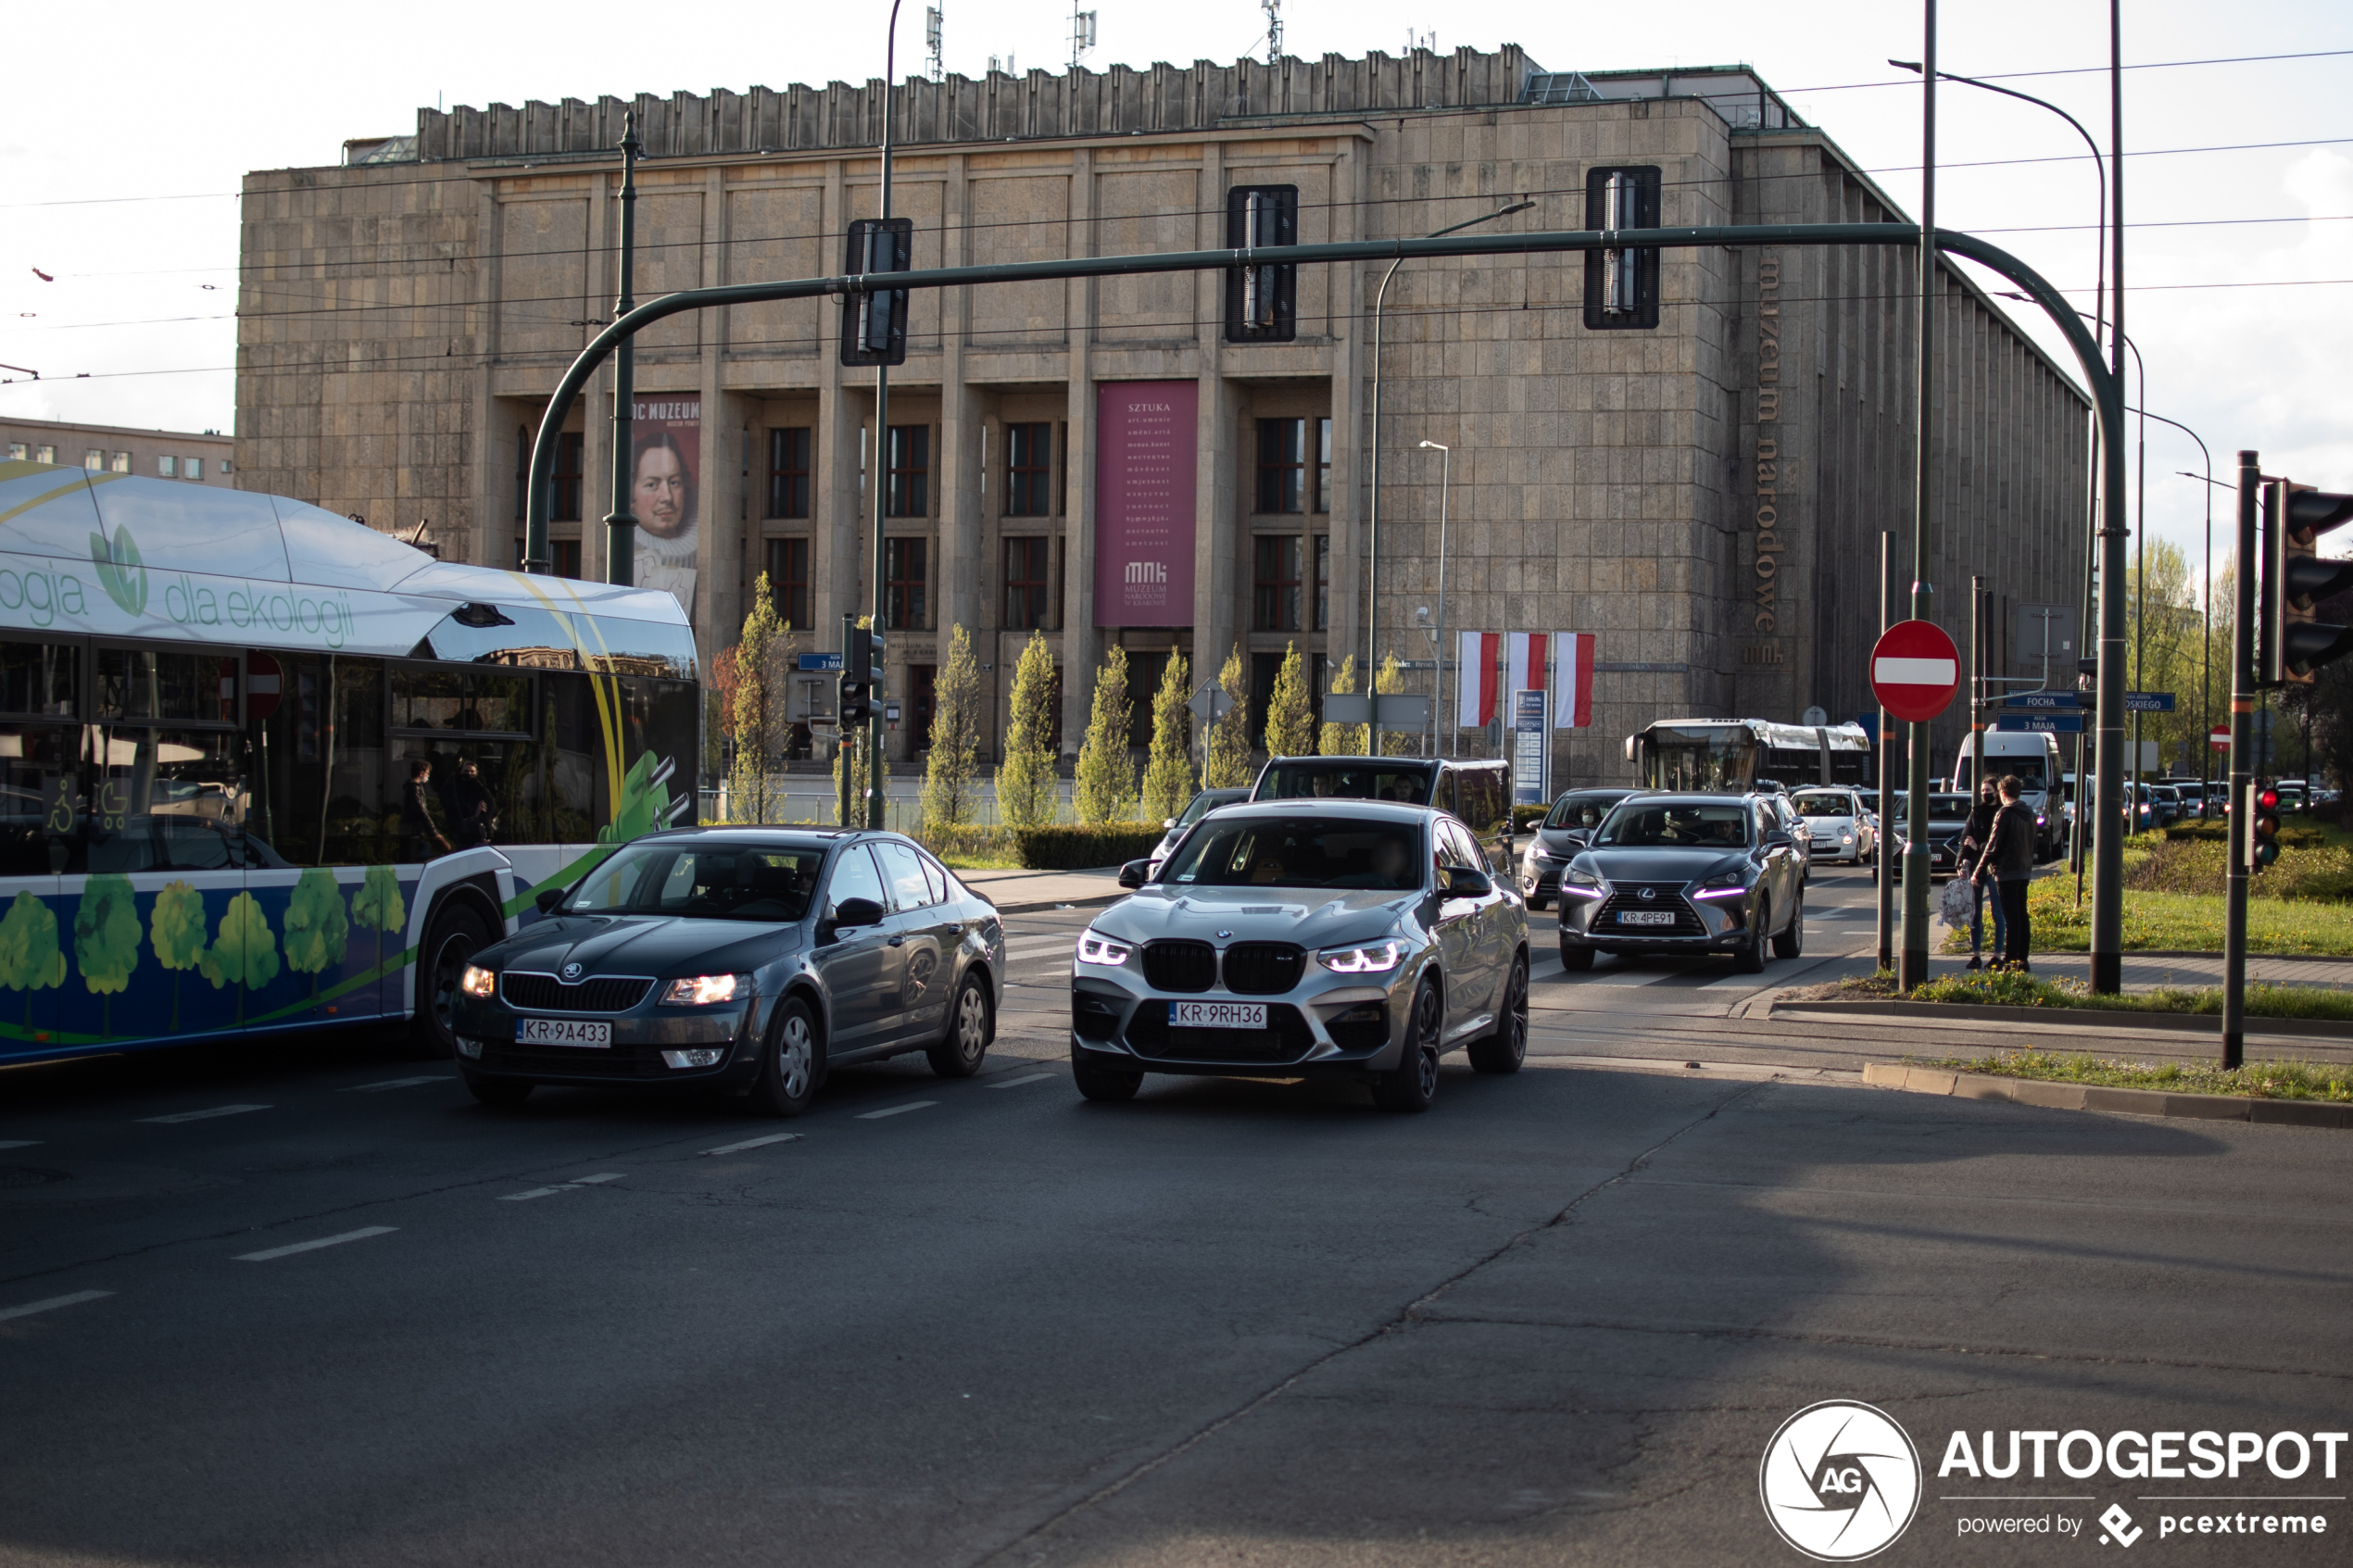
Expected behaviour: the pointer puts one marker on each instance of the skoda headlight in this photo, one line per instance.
(1365, 958)
(1094, 946)
(704, 990)
(478, 982)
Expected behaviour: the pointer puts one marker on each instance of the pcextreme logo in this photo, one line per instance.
(1839, 1481)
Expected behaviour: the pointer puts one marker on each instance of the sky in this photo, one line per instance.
(2239, 178)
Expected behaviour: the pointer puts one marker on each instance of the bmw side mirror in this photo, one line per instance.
(548, 898)
(857, 911)
(1133, 874)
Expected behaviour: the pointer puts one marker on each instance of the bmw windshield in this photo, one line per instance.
(704, 881)
(1300, 852)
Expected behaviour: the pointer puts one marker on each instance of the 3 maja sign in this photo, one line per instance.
(1914, 670)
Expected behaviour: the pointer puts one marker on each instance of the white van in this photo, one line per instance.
(2033, 755)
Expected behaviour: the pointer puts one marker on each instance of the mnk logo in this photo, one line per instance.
(2120, 1524)
(1839, 1481)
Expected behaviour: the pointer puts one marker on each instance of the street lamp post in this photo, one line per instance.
(878, 475)
(1372, 530)
(621, 524)
(1913, 970)
(1437, 686)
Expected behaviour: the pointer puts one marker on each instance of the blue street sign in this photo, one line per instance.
(822, 663)
(2044, 723)
(2148, 702)
(2043, 702)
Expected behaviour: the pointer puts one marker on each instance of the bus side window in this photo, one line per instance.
(42, 803)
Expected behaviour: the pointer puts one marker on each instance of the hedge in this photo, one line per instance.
(1066, 846)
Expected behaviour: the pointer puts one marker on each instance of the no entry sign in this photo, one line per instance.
(1914, 670)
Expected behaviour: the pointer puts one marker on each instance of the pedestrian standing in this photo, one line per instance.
(2008, 864)
(418, 829)
(1976, 833)
(472, 815)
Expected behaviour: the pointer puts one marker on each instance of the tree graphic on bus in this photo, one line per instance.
(176, 928)
(105, 942)
(29, 957)
(317, 925)
(244, 954)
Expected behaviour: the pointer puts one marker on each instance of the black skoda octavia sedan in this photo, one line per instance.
(748, 961)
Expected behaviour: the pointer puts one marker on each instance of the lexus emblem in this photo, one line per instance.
(1646, 894)
(571, 970)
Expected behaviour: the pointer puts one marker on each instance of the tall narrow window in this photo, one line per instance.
(1278, 581)
(565, 498)
(1030, 469)
(1324, 465)
(923, 681)
(522, 471)
(1027, 584)
(788, 471)
(1323, 584)
(788, 579)
(1282, 465)
(909, 485)
(903, 585)
(565, 556)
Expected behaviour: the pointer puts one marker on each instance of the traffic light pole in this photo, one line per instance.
(878, 481)
(2241, 818)
(1913, 970)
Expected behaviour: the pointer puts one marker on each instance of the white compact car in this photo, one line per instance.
(1845, 833)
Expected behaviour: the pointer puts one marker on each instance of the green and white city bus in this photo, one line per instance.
(212, 708)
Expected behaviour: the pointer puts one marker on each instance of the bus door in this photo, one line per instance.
(41, 801)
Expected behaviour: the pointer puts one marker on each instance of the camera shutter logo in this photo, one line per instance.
(1839, 1481)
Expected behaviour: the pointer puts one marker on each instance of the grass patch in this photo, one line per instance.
(2004, 988)
(2260, 1080)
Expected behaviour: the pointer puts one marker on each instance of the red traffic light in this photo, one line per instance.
(2268, 800)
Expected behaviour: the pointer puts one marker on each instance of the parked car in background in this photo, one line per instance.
(1685, 873)
(1478, 793)
(1801, 833)
(1844, 830)
(1306, 938)
(1561, 832)
(1947, 819)
(741, 959)
(1200, 806)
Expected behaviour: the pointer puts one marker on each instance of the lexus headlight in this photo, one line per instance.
(1366, 958)
(1096, 947)
(703, 990)
(478, 982)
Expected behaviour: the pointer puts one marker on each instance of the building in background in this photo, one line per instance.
(201, 457)
(1694, 465)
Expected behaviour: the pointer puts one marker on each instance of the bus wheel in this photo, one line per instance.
(456, 936)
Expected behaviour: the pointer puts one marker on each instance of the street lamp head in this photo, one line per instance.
(1515, 206)
(1906, 65)
(1436, 447)
(1421, 615)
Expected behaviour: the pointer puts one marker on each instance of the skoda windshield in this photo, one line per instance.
(1317, 851)
(702, 880)
(1675, 824)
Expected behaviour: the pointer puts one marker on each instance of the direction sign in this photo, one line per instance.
(2042, 723)
(2148, 702)
(1914, 670)
(823, 662)
(2043, 702)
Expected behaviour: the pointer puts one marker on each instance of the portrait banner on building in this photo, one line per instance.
(665, 487)
(1146, 442)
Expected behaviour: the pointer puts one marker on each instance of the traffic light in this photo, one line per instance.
(2292, 644)
(2263, 832)
(860, 649)
(873, 325)
(1262, 299)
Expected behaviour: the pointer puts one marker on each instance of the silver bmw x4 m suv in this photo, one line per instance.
(1306, 938)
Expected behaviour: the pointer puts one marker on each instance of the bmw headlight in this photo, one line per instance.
(478, 982)
(1094, 946)
(1365, 958)
(704, 990)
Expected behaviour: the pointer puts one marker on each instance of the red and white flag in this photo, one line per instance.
(1573, 654)
(1524, 661)
(1475, 697)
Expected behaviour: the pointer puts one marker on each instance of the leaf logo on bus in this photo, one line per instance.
(121, 571)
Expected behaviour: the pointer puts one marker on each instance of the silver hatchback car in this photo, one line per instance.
(1349, 938)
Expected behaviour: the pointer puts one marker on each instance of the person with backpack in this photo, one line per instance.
(2008, 862)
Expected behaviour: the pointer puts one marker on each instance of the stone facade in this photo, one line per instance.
(1704, 496)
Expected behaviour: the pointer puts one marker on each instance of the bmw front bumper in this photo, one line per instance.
(1346, 1025)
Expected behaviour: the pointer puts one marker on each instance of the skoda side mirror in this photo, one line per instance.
(857, 911)
(1134, 874)
(548, 898)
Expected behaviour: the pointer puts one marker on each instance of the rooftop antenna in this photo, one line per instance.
(1082, 34)
(1273, 9)
(1421, 41)
(932, 67)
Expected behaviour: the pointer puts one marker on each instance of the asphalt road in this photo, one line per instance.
(1556, 1320)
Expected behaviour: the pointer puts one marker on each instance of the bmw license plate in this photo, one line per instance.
(1646, 917)
(564, 1032)
(1217, 1015)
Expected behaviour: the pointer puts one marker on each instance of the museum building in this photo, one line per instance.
(1694, 465)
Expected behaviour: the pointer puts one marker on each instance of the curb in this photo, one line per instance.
(2089, 1097)
(2089, 1018)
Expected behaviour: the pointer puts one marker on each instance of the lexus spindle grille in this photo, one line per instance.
(1630, 901)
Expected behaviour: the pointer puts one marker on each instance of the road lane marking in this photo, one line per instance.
(360, 1234)
(52, 1304)
(572, 1185)
(535, 1192)
(398, 1084)
(204, 1115)
(598, 1179)
(752, 1143)
(1025, 1078)
(894, 1109)
(20, 1143)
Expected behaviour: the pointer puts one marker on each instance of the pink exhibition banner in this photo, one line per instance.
(1146, 441)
